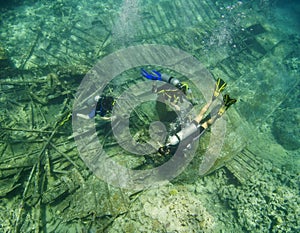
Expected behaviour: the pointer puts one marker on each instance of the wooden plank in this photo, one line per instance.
(243, 165)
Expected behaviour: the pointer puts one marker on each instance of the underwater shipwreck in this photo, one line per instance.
(250, 184)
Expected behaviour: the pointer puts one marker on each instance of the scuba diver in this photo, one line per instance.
(176, 93)
(199, 125)
(102, 106)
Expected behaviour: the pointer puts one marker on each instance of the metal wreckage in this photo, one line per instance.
(45, 186)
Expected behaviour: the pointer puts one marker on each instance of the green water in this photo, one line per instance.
(250, 185)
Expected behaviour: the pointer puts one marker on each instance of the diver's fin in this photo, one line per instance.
(227, 102)
(219, 87)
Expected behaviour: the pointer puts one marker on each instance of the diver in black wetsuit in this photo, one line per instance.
(102, 105)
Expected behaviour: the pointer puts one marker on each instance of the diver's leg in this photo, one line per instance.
(219, 87)
(199, 117)
(227, 102)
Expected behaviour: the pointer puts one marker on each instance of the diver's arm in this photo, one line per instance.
(83, 116)
(91, 102)
(87, 117)
(91, 115)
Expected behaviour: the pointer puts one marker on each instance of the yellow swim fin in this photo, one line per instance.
(219, 87)
(227, 102)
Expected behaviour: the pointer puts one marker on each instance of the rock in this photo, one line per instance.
(5, 64)
(166, 209)
(286, 119)
(284, 130)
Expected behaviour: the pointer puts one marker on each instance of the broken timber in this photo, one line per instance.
(243, 165)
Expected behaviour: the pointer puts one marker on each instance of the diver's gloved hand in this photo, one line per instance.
(155, 75)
